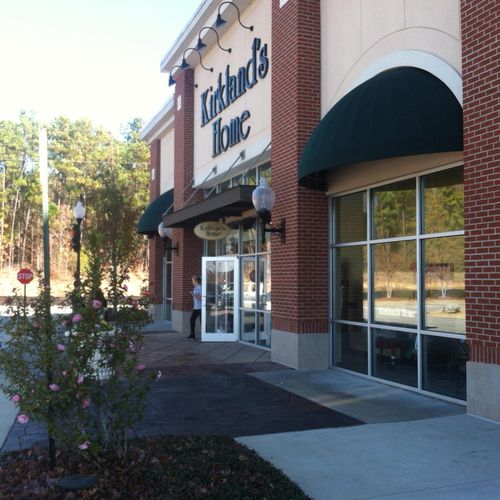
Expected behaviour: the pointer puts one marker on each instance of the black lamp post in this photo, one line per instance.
(263, 198)
(79, 214)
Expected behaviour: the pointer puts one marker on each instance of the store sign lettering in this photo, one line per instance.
(229, 88)
(211, 230)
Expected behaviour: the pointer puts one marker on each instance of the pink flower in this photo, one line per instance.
(77, 317)
(96, 304)
(86, 403)
(127, 277)
(125, 287)
(54, 387)
(140, 367)
(60, 347)
(16, 398)
(84, 445)
(80, 379)
(23, 419)
(158, 374)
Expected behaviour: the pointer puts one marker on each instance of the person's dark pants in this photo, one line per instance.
(194, 316)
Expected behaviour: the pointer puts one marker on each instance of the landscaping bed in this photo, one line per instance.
(176, 467)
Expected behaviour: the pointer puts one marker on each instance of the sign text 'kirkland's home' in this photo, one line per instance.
(211, 230)
(229, 88)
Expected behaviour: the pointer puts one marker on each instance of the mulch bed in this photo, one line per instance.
(168, 467)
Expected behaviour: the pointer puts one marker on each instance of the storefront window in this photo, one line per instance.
(395, 283)
(395, 356)
(444, 284)
(400, 288)
(394, 210)
(351, 348)
(351, 218)
(443, 201)
(351, 285)
(249, 238)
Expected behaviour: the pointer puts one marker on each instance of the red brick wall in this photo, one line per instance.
(300, 266)
(481, 85)
(155, 245)
(188, 261)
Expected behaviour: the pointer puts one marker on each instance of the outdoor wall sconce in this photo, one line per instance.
(263, 198)
(165, 234)
(200, 45)
(171, 80)
(219, 21)
(186, 65)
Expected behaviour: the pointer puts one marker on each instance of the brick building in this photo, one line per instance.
(376, 123)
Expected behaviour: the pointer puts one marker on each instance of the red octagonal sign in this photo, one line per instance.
(25, 276)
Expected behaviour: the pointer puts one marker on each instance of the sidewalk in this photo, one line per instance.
(337, 435)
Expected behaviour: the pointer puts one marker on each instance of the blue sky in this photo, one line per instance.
(87, 58)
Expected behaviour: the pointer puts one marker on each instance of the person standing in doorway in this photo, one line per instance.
(196, 305)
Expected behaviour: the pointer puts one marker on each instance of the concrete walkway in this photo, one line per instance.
(411, 447)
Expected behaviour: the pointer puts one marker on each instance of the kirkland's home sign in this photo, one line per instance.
(211, 230)
(229, 88)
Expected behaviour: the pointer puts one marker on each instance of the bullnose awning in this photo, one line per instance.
(152, 216)
(400, 112)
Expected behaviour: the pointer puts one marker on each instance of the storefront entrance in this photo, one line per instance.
(220, 299)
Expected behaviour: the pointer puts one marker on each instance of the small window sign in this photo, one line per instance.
(211, 230)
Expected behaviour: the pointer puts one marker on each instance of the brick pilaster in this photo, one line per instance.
(300, 266)
(188, 261)
(481, 84)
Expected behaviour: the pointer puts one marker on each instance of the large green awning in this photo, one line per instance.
(400, 112)
(152, 216)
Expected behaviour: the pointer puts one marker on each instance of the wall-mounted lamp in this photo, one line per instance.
(171, 80)
(186, 65)
(165, 234)
(219, 21)
(263, 198)
(200, 45)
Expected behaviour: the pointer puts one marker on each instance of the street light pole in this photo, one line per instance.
(79, 214)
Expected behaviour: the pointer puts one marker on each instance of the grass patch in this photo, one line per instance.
(167, 467)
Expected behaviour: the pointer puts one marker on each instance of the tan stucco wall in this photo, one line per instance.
(362, 175)
(356, 34)
(257, 99)
(167, 161)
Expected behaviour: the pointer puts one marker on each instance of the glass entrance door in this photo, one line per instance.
(220, 299)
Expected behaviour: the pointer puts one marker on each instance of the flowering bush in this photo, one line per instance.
(79, 374)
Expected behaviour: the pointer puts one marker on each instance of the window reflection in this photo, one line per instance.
(445, 284)
(444, 201)
(394, 210)
(249, 237)
(351, 284)
(395, 356)
(350, 223)
(351, 348)
(395, 283)
(445, 363)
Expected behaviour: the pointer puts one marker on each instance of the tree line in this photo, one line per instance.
(109, 175)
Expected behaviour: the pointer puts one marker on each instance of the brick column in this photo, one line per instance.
(300, 266)
(481, 83)
(188, 261)
(155, 244)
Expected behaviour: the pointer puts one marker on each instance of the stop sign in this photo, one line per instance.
(25, 276)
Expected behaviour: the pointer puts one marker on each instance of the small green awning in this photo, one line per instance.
(399, 112)
(152, 216)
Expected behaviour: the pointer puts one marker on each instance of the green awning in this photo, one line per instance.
(152, 216)
(400, 112)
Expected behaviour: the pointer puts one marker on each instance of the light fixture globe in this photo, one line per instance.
(164, 232)
(263, 198)
(79, 211)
